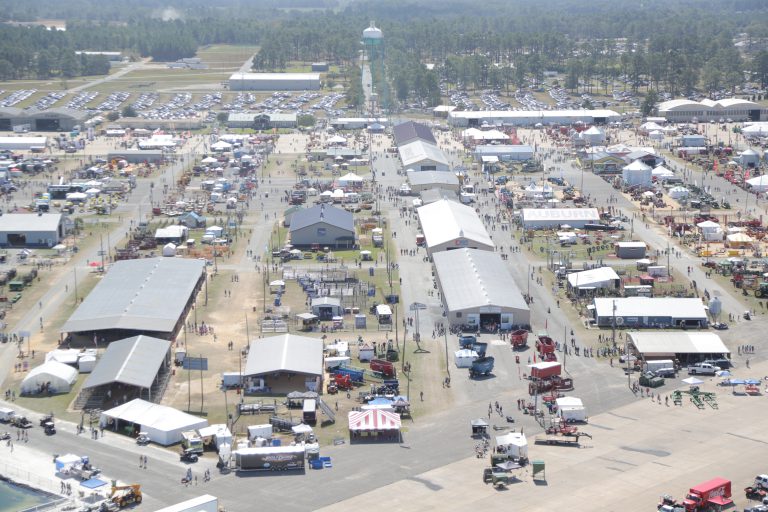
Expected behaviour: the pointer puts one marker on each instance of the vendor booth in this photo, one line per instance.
(374, 424)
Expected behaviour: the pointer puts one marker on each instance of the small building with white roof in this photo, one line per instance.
(588, 280)
(646, 312)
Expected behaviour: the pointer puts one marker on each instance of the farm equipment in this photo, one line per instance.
(519, 339)
(494, 477)
(761, 290)
(339, 382)
(356, 375)
(386, 368)
(467, 341)
(545, 346)
(124, 495)
(481, 366)
(557, 439)
(554, 383)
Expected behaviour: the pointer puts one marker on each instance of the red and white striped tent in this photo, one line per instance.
(373, 420)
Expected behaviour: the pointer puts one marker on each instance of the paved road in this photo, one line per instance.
(117, 74)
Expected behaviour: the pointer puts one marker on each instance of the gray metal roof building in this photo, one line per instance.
(324, 225)
(278, 360)
(410, 131)
(426, 180)
(274, 82)
(52, 119)
(143, 296)
(477, 289)
(31, 230)
(133, 361)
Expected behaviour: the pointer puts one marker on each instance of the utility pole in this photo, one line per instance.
(74, 270)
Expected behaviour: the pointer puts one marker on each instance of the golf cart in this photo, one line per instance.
(187, 456)
(142, 439)
(50, 428)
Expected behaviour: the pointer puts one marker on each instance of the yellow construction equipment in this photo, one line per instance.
(123, 495)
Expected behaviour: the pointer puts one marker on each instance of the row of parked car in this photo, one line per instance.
(47, 101)
(16, 97)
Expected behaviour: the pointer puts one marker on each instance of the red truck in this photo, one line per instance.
(715, 492)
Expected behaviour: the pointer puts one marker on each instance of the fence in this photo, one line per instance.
(36, 482)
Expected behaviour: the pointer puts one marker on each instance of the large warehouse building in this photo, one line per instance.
(448, 225)
(478, 290)
(50, 120)
(546, 218)
(31, 230)
(149, 296)
(531, 117)
(686, 347)
(274, 82)
(735, 109)
(656, 312)
(410, 131)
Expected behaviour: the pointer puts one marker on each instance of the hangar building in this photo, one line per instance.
(274, 82)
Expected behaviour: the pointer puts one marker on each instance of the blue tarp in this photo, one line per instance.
(93, 483)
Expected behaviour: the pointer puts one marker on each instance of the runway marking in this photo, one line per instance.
(647, 451)
(601, 426)
(622, 417)
(619, 461)
(661, 464)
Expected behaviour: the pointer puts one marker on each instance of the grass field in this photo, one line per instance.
(226, 57)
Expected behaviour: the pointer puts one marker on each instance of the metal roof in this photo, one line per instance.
(432, 178)
(138, 295)
(664, 307)
(275, 76)
(285, 353)
(29, 222)
(418, 151)
(411, 131)
(443, 221)
(470, 278)
(322, 213)
(592, 277)
(133, 361)
(664, 342)
(560, 215)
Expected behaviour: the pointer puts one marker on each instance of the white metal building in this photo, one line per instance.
(650, 312)
(425, 180)
(504, 152)
(274, 82)
(477, 289)
(423, 156)
(531, 117)
(735, 109)
(31, 229)
(603, 277)
(449, 225)
(664, 344)
(23, 143)
(544, 218)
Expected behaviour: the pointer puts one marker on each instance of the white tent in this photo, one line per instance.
(209, 160)
(662, 173)
(651, 127)
(637, 174)
(755, 130)
(76, 196)
(337, 139)
(656, 135)
(58, 377)
(759, 183)
(164, 425)
(86, 364)
(219, 433)
(593, 136)
(350, 179)
(221, 146)
(514, 444)
(464, 358)
(678, 192)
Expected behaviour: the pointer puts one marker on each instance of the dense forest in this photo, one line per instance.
(677, 46)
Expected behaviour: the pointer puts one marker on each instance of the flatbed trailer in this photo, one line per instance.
(556, 439)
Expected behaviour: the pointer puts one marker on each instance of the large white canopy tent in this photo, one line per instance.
(162, 424)
(58, 377)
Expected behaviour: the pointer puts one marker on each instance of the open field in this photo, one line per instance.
(226, 57)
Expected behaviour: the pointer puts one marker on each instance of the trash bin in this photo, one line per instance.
(370, 271)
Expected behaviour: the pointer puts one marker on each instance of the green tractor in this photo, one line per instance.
(762, 290)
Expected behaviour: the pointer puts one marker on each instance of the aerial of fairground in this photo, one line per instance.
(344, 254)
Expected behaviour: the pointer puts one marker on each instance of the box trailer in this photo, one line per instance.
(231, 380)
(264, 431)
(6, 414)
(309, 411)
(544, 369)
(270, 458)
(658, 364)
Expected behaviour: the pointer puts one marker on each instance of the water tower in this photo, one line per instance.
(373, 42)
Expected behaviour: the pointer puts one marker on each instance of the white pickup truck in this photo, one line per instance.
(703, 369)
